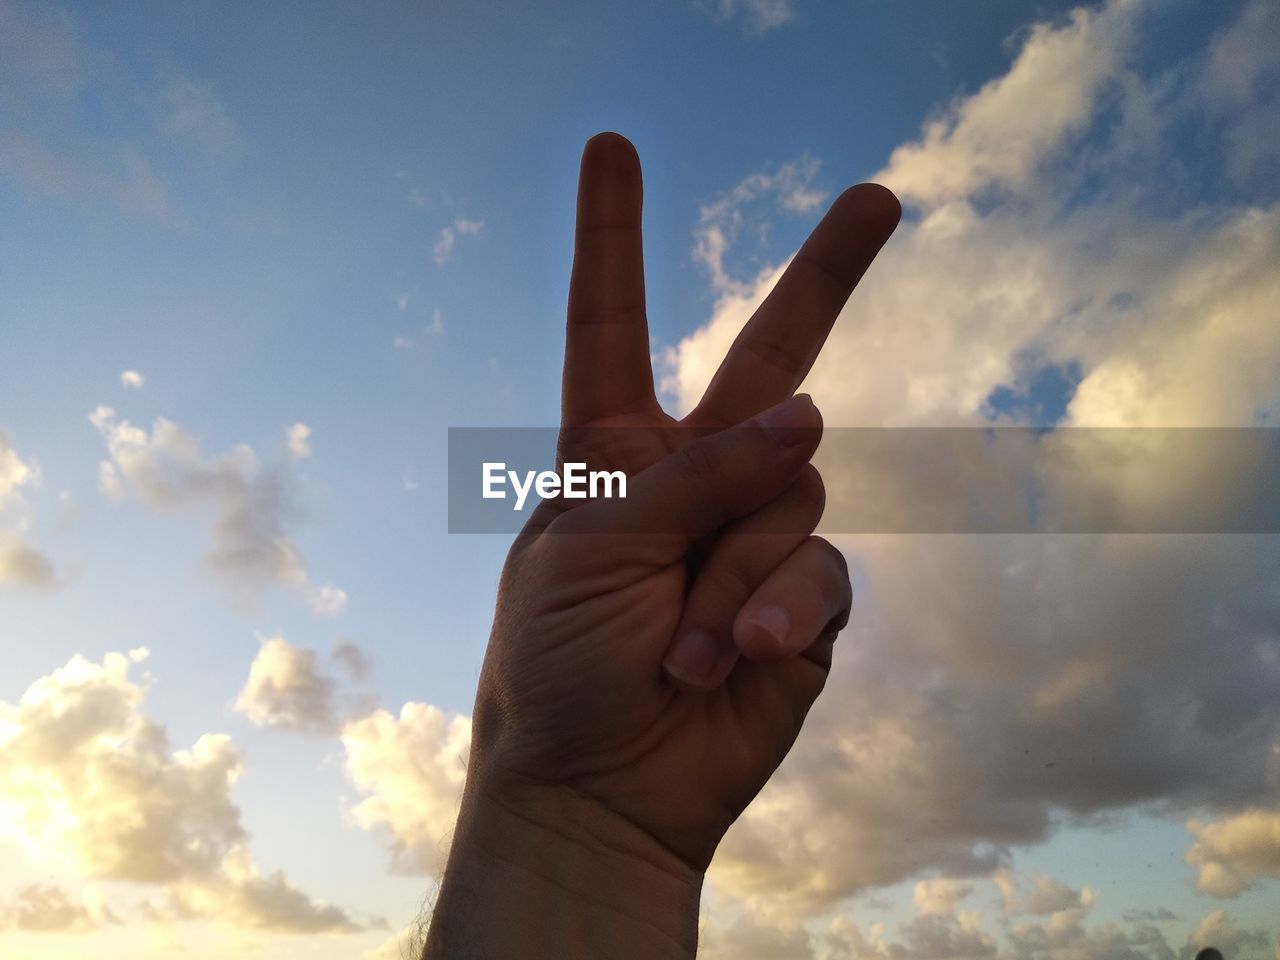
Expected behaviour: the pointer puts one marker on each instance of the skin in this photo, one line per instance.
(652, 658)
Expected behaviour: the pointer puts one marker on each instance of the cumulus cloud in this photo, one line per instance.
(253, 504)
(940, 895)
(291, 688)
(940, 930)
(1235, 852)
(1216, 930)
(45, 908)
(1045, 680)
(1000, 137)
(448, 237)
(87, 779)
(132, 380)
(412, 767)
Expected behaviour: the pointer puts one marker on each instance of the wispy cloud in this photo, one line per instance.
(750, 206)
(254, 504)
(50, 73)
(755, 16)
(448, 237)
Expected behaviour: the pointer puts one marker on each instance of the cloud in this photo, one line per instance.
(190, 112)
(461, 226)
(1000, 137)
(1216, 930)
(433, 328)
(1048, 227)
(21, 564)
(940, 895)
(404, 944)
(44, 908)
(253, 505)
(131, 379)
(720, 223)
(88, 780)
(299, 437)
(756, 16)
(15, 473)
(289, 688)
(242, 897)
(1235, 852)
(756, 929)
(51, 75)
(413, 767)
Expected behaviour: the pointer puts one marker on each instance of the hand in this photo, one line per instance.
(623, 704)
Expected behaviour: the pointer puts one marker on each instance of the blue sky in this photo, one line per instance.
(360, 221)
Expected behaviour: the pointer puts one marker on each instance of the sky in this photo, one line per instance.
(256, 259)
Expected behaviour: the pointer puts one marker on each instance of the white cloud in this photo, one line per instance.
(189, 111)
(1001, 136)
(86, 779)
(448, 237)
(413, 767)
(1235, 852)
(44, 908)
(290, 688)
(299, 439)
(15, 473)
(21, 564)
(433, 328)
(940, 895)
(756, 16)
(1097, 674)
(251, 548)
(444, 246)
(1216, 930)
(405, 944)
(721, 222)
(132, 380)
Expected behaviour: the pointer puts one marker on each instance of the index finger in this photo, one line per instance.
(775, 349)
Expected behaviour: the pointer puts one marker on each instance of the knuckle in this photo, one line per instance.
(809, 489)
(728, 581)
(833, 555)
(702, 463)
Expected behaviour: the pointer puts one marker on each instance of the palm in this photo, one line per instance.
(593, 709)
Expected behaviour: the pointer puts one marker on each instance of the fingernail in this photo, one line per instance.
(771, 620)
(790, 421)
(692, 658)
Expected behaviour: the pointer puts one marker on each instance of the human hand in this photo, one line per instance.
(625, 703)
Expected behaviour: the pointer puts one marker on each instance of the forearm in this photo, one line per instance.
(553, 877)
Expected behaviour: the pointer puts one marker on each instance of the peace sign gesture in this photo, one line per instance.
(632, 703)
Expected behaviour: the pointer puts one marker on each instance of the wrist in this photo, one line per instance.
(544, 871)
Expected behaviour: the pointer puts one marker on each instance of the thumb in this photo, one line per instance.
(708, 483)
